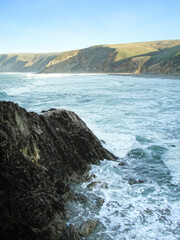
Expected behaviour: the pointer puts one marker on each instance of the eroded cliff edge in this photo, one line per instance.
(40, 155)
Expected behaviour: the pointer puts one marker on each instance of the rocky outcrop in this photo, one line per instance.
(88, 227)
(73, 232)
(40, 155)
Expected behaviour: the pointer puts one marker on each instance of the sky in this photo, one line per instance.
(63, 25)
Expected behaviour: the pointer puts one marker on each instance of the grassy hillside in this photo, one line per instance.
(140, 48)
(24, 62)
(31, 62)
(146, 57)
(143, 57)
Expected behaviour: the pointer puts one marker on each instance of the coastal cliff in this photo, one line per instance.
(159, 57)
(156, 57)
(40, 156)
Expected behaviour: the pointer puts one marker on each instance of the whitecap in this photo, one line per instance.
(17, 91)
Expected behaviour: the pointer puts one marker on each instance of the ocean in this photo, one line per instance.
(138, 120)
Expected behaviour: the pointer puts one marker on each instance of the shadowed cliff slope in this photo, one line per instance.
(148, 57)
(40, 155)
(160, 57)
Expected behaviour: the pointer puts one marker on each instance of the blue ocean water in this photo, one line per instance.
(138, 119)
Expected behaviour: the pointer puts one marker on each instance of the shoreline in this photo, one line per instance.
(141, 75)
(149, 75)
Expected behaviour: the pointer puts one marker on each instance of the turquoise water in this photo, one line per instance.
(139, 120)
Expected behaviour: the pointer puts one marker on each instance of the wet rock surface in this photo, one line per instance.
(99, 202)
(92, 184)
(122, 164)
(132, 181)
(71, 233)
(88, 227)
(40, 155)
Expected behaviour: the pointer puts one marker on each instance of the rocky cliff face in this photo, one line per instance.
(40, 155)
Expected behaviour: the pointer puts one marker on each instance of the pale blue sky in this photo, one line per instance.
(62, 25)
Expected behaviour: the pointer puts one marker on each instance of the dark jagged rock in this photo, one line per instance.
(39, 156)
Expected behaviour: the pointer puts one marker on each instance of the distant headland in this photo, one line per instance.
(156, 57)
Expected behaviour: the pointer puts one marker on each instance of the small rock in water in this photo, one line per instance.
(132, 181)
(103, 141)
(149, 211)
(90, 177)
(93, 175)
(104, 185)
(88, 227)
(122, 164)
(99, 202)
(92, 184)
